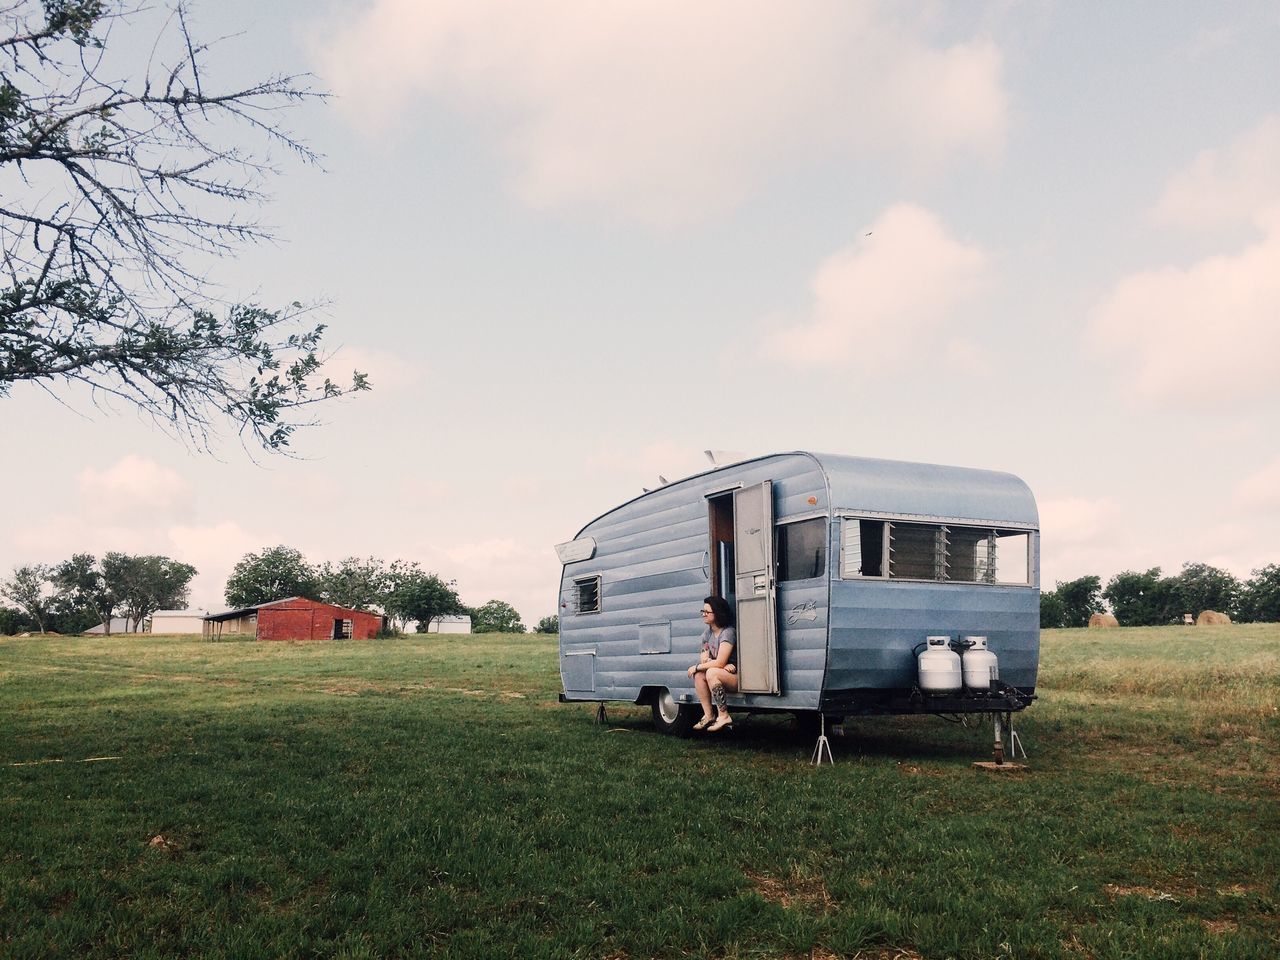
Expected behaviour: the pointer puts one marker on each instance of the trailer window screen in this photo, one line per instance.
(588, 591)
(917, 551)
(802, 549)
(934, 551)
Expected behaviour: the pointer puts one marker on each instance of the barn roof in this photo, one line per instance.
(243, 611)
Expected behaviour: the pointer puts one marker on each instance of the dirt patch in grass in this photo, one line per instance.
(163, 844)
(1150, 893)
(1221, 927)
(911, 770)
(886, 953)
(797, 889)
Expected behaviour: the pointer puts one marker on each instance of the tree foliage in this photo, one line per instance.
(273, 574)
(1052, 613)
(415, 595)
(1143, 599)
(549, 624)
(120, 182)
(145, 584)
(29, 589)
(1080, 599)
(83, 586)
(1202, 587)
(354, 583)
(496, 616)
(1260, 598)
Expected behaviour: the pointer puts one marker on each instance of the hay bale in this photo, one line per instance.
(1209, 618)
(1103, 620)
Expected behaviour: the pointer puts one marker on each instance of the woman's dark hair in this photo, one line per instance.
(720, 610)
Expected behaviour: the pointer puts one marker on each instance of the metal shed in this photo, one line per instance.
(295, 618)
(838, 568)
(176, 621)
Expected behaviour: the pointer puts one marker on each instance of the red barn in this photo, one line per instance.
(295, 618)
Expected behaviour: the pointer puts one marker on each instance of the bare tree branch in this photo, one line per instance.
(128, 185)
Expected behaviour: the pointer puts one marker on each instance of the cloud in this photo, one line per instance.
(1201, 336)
(666, 111)
(874, 299)
(132, 485)
(1238, 184)
(1205, 335)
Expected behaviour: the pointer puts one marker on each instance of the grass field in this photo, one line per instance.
(429, 797)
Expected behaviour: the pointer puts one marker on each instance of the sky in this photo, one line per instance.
(574, 245)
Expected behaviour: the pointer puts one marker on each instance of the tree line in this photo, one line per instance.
(72, 596)
(401, 590)
(1149, 598)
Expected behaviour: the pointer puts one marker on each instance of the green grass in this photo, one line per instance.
(429, 797)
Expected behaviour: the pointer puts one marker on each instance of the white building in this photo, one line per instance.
(458, 624)
(177, 621)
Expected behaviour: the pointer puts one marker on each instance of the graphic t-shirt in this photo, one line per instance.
(711, 643)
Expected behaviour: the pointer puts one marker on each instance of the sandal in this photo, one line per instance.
(721, 723)
(704, 723)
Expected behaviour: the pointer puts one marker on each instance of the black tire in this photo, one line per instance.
(672, 718)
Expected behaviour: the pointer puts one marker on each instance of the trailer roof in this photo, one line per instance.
(926, 489)
(895, 487)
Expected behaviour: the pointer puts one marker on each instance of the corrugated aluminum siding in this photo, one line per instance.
(876, 625)
(651, 556)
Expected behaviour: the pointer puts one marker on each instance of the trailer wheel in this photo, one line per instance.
(673, 719)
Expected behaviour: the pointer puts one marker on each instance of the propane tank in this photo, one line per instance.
(939, 666)
(980, 667)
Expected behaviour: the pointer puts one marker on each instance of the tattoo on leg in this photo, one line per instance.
(717, 694)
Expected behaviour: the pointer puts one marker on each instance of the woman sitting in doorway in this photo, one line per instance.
(716, 671)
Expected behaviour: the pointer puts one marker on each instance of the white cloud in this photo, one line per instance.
(1202, 336)
(131, 485)
(668, 111)
(1238, 184)
(1261, 489)
(872, 300)
(1206, 335)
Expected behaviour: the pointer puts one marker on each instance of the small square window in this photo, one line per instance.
(802, 549)
(588, 591)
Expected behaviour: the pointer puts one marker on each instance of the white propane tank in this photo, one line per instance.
(979, 665)
(939, 666)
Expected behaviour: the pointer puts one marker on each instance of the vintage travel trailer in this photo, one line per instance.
(840, 571)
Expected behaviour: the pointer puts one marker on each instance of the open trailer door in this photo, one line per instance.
(757, 621)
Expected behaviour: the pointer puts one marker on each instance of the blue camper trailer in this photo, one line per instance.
(838, 569)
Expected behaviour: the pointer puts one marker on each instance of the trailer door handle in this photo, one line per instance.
(706, 561)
